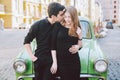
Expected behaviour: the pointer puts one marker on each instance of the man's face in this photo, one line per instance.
(60, 16)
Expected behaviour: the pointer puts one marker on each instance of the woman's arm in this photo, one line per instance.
(53, 48)
(75, 48)
(54, 65)
(79, 32)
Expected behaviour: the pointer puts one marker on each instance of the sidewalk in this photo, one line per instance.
(13, 29)
(110, 46)
(111, 43)
(11, 43)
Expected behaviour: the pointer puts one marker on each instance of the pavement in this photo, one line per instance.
(110, 45)
(11, 43)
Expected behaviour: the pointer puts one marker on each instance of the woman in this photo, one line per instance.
(66, 41)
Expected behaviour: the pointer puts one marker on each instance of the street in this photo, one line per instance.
(111, 43)
(11, 43)
(110, 46)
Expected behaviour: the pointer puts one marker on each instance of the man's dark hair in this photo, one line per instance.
(54, 8)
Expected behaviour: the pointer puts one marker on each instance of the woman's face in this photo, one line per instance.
(67, 18)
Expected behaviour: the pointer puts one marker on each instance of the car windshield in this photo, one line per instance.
(109, 23)
(86, 32)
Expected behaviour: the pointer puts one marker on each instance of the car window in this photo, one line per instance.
(109, 23)
(86, 32)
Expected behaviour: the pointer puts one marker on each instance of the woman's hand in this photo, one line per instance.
(74, 49)
(53, 68)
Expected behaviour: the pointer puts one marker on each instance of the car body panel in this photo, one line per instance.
(92, 51)
(25, 56)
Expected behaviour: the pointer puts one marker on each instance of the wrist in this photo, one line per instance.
(54, 61)
(78, 47)
(34, 58)
(80, 39)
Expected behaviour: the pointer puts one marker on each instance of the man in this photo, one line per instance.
(41, 31)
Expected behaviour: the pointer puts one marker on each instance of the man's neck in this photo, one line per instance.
(51, 20)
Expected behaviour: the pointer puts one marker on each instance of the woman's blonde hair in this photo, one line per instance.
(74, 17)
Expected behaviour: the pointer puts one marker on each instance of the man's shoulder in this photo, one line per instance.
(38, 22)
(58, 24)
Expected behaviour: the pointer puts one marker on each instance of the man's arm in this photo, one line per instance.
(29, 38)
(29, 50)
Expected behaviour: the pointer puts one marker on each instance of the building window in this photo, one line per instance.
(114, 21)
(115, 7)
(114, 11)
(114, 2)
(114, 16)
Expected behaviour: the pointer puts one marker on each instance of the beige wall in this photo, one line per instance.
(16, 12)
(8, 12)
(7, 21)
(8, 6)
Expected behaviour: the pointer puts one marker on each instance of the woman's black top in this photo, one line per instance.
(61, 42)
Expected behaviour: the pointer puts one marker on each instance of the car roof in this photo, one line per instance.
(83, 18)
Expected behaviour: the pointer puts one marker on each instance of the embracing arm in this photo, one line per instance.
(75, 48)
(79, 32)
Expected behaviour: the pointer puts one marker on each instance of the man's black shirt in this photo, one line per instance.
(41, 31)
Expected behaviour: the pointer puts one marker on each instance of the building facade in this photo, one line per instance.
(111, 10)
(98, 13)
(19, 13)
(86, 8)
(31, 11)
(22, 13)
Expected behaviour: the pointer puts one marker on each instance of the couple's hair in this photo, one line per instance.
(54, 8)
(74, 17)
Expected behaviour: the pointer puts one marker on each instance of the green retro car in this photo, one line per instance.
(93, 62)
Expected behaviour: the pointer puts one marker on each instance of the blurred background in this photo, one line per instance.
(22, 13)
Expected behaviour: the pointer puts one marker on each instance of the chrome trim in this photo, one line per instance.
(31, 76)
(91, 76)
(26, 76)
(22, 61)
(100, 60)
(81, 75)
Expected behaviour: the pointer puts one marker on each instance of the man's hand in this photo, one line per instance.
(34, 58)
(53, 68)
(74, 49)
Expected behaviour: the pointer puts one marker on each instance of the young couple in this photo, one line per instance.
(58, 41)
